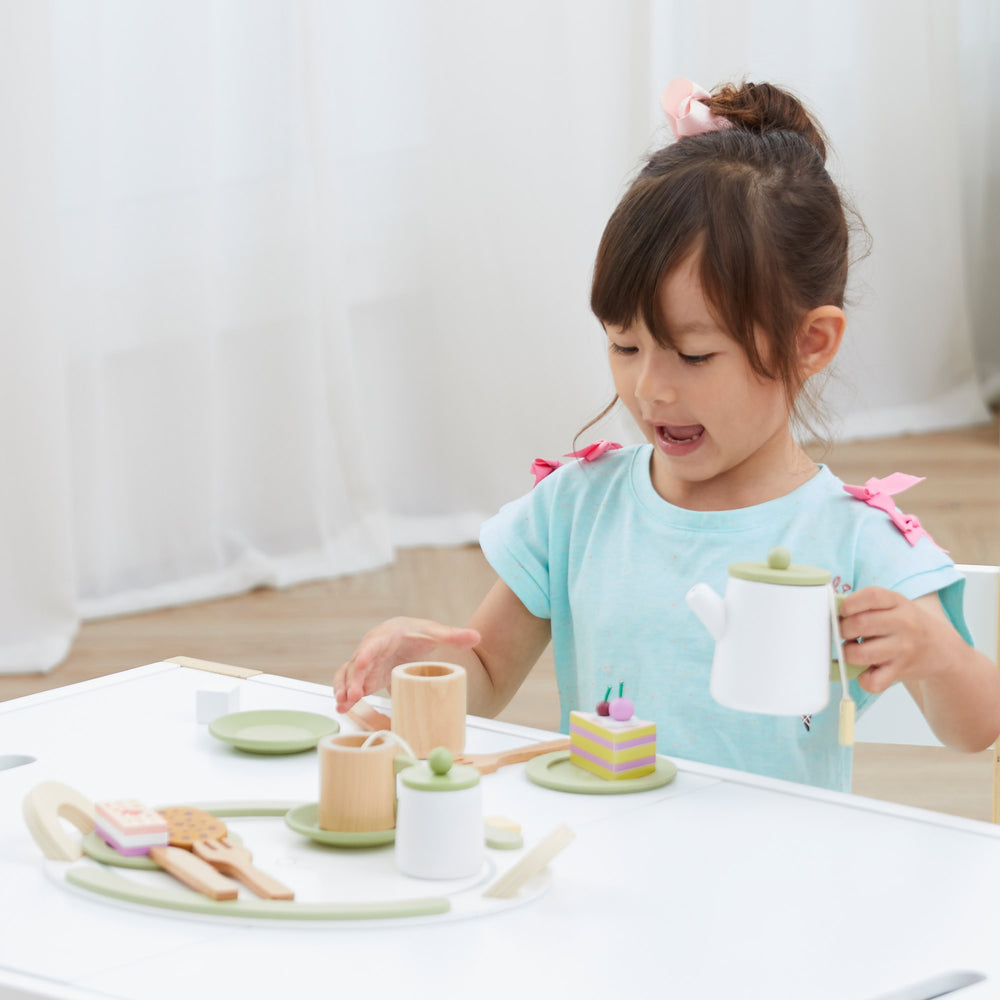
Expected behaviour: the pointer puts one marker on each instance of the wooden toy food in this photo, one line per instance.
(612, 744)
(130, 827)
(188, 824)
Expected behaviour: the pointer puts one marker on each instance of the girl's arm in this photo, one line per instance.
(498, 650)
(955, 686)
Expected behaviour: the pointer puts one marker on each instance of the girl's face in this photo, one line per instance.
(720, 433)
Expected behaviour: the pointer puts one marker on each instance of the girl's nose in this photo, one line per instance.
(654, 384)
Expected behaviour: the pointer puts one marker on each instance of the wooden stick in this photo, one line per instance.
(510, 883)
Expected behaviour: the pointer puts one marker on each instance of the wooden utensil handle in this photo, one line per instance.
(261, 883)
(488, 763)
(193, 872)
(519, 754)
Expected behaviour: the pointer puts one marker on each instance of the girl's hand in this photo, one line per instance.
(396, 641)
(956, 687)
(901, 640)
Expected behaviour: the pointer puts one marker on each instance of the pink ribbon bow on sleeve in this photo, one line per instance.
(686, 113)
(879, 493)
(592, 451)
(542, 467)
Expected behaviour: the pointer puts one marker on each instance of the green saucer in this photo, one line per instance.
(305, 820)
(553, 770)
(273, 731)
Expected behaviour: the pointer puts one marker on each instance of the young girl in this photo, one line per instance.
(720, 284)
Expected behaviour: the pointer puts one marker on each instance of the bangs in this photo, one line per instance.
(652, 231)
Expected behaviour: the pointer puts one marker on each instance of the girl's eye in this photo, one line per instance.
(694, 359)
(619, 349)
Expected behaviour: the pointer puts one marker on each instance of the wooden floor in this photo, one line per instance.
(307, 631)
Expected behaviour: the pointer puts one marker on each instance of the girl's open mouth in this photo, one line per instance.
(680, 439)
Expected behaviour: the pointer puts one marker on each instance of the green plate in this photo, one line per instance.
(553, 770)
(273, 730)
(98, 849)
(305, 820)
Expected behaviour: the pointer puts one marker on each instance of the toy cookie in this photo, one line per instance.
(188, 824)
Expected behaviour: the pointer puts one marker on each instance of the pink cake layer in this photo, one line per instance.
(628, 765)
(610, 744)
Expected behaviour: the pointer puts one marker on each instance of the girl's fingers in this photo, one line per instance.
(386, 647)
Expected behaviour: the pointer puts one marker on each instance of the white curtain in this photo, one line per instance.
(286, 285)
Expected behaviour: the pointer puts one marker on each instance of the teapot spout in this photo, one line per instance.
(709, 607)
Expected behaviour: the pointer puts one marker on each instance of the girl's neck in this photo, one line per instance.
(773, 471)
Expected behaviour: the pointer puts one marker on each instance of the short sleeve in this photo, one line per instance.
(515, 541)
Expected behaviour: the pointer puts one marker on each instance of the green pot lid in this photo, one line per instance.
(439, 774)
(780, 569)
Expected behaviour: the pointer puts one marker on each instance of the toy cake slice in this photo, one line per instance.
(129, 827)
(612, 744)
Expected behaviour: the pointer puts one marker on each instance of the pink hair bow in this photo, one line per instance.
(542, 467)
(686, 113)
(879, 493)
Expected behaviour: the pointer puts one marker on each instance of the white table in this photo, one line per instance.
(720, 884)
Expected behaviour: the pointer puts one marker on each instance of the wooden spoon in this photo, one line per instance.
(487, 763)
(234, 860)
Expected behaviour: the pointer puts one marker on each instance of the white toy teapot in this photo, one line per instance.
(773, 636)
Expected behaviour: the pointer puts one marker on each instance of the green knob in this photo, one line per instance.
(779, 558)
(439, 760)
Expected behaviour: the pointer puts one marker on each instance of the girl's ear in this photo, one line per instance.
(819, 338)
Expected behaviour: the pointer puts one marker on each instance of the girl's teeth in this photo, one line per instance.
(683, 434)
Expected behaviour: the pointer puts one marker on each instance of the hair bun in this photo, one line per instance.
(762, 107)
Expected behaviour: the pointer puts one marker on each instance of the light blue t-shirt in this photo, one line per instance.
(596, 549)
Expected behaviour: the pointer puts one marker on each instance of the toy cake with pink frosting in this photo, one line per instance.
(130, 827)
(611, 742)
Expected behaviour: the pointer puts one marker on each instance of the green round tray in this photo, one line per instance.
(553, 770)
(273, 731)
(112, 884)
(304, 819)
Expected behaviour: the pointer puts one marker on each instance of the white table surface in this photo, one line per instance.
(718, 885)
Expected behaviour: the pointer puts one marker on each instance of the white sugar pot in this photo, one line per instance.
(439, 819)
(773, 636)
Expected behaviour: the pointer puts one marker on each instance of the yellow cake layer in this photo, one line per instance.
(613, 756)
(607, 773)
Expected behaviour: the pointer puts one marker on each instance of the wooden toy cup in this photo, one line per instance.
(357, 782)
(428, 706)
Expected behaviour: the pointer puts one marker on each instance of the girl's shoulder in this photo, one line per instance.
(873, 502)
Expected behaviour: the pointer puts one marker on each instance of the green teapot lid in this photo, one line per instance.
(439, 774)
(780, 569)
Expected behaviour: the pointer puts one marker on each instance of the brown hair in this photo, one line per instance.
(757, 202)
